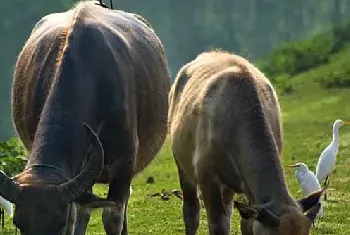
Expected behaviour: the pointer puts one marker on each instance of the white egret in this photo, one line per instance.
(327, 159)
(5, 206)
(307, 181)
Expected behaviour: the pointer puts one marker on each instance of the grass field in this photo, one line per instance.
(308, 115)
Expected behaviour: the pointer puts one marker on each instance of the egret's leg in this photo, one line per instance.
(324, 185)
(313, 222)
(2, 216)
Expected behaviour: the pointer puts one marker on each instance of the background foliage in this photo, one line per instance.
(12, 156)
(252, 28)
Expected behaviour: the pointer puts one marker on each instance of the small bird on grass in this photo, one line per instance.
(328, 157)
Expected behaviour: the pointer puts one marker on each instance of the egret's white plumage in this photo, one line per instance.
(130, 190)
(307, 180)
(7, 206)
(328, 157)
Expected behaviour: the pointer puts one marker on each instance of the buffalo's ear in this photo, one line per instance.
(312, 199)
(311, 214)
(261, 214)
(90, 200)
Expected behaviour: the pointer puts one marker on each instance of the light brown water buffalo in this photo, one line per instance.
(90, 64)
(226, 137)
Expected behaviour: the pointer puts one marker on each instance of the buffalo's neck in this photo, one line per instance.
(270, 186)
(57, 143)
(267, 183)
(261, 167)
(60, 139)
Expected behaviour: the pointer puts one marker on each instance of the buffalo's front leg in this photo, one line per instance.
(120, 146)
(114, 218)
(218, 210)
(83, 217)
(247, 227)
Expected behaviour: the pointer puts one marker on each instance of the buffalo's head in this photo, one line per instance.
(260, 220)
(43, 209)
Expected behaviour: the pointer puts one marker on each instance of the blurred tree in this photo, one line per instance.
(250, 28)
(336, 14)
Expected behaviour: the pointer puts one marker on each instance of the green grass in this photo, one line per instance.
(308, 115)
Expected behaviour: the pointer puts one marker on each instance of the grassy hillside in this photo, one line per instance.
(323, 59)
(311, 97)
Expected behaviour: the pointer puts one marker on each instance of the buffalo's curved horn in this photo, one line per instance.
(85, 179)
(9, 189)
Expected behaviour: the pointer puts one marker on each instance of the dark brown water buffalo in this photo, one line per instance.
(226, 137)
(93, 65)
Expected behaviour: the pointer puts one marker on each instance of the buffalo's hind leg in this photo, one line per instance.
(191, 205)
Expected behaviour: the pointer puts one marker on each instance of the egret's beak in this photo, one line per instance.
(291, 165)
(346, 123)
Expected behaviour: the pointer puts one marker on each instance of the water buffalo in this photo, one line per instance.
(108, 69)
(226, 138)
